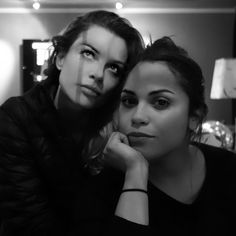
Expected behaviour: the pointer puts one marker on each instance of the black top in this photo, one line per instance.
(212, 213)
(42, 173)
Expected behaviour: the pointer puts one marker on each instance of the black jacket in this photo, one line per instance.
(39, 166)
(44, 187)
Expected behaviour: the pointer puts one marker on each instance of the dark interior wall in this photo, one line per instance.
(207, 36)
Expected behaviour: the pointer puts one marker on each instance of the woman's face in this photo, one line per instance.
(92, 66)
(154, 110)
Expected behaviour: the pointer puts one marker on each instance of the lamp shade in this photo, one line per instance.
(224, 79)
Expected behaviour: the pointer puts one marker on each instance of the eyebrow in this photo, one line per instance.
(161, 91)
(89, 45)
(151, 93)
(128, 91)
(113, 61)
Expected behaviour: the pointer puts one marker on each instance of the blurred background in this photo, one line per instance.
(206, 28)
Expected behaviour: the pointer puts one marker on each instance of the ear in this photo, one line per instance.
(193, 123)
(195, 119)
(60, 61)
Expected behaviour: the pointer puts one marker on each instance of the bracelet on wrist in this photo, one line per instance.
(134, 190)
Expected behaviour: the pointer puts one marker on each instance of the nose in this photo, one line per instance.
(97, 73)
(140, 117)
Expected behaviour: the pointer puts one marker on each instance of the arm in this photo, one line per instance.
(132, 207)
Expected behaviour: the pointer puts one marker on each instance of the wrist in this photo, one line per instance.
(137, 177)
(134, 190)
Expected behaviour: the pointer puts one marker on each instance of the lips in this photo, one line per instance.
(90, 90)
(139, 135)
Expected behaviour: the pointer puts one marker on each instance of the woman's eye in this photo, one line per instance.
(161, 103)
(88, 53)
(115, 69)
(128, 101)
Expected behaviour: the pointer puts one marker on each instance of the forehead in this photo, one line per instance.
(152, 76)
(96, 33)
(104, 41)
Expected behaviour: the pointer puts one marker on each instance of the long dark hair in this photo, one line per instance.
(102, 114)
(117, 25)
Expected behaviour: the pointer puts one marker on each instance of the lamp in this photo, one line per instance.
(224, 81)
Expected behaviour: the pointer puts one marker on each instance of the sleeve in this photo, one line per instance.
(24, 206)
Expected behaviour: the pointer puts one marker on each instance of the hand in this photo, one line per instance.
(119, 154)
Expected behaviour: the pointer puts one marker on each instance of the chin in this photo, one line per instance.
(148, 155)
(141, 150)
(90, 103)
(87, 105)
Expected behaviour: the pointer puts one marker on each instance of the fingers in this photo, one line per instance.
(115, 149)
(118, 153)
(115, 138)
(123, 138)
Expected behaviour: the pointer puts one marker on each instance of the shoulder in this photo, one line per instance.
(220, 176)
(17, 105)
(219, 160)
(216, 153)
(12, 112)
(20, 115)
(18, 108)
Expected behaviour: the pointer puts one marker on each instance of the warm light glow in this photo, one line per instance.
(36, 5)
(43, 51)
(146, 40)
(119, 5)
(39, 78)
(206, 126)
(41, 45)
(7, 62)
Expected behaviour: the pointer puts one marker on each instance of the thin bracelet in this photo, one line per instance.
(134, 190)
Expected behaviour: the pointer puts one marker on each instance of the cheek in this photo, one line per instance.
(175, 126)
(74, 71)
(172, 121)
(109, 83)
(122, 121)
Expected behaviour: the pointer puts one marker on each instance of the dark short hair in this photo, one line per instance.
(188, 72)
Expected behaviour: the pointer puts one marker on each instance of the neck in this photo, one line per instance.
(180, 174)
(73, 115)
(172, 164)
